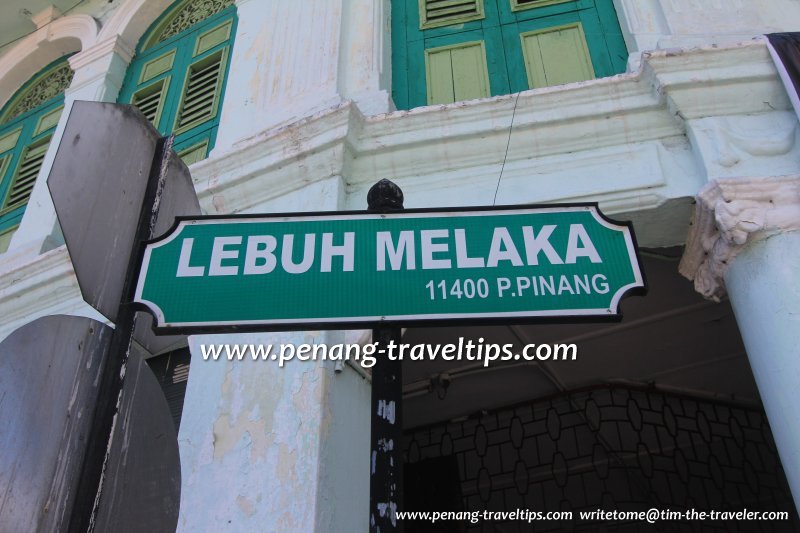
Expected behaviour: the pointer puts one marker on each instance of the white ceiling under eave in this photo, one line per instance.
(670, 339)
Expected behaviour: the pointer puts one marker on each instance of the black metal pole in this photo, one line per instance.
(87, 496)
(386, 431)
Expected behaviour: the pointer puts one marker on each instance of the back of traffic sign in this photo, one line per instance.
(98, 183)
(49, 387)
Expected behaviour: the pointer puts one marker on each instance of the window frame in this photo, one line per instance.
(500, 30)
(528, 61)
(450, 48)
(186, 51)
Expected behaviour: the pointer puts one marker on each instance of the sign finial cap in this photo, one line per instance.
(385, 196)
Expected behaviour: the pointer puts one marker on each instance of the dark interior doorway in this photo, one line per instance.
(660, 410)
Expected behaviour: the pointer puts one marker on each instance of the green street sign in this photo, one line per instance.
(364, 269)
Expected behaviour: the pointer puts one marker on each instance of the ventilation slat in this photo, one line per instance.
(199, 88)
(149, 111)
(205, 72)
(148, 101)
(196, 89)
(200, 102)
(21, 192)
(438, 11)
(148, 106)
(195, 116)
(450, 12)
(433, 5)
(25, 179)
(181, 373)
(26, 176)
(199, 85)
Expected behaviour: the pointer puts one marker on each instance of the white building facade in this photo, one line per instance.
(694, 140)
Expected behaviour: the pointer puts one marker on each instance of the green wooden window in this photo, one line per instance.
(526, 44)
(27, 123)
(177, 77)
(456, 73)
(555, 56)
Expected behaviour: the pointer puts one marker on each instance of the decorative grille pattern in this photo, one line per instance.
(49, 86)
(609, 448)
(189, 15)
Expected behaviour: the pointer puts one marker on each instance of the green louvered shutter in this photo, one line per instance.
(25, 177)
(150, 100)
(201, 97)
(178, 75)
(556, 56)
(435, 13)
(457, 73)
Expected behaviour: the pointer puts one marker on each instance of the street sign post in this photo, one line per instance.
(116, 183)
(511, 264)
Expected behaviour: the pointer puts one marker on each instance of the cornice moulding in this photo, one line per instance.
(101, 50)
(340, 141)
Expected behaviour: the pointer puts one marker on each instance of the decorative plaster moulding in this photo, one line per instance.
(112, 45)
(650, 105)
(62, 36)
(558, 121)
(730, 214)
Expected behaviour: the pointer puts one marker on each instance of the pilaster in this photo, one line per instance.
(297, 59)
(266, 447)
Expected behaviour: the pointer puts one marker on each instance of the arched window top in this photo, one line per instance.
(47, 85)
(27, 123)
(177, 78)
(182, 17)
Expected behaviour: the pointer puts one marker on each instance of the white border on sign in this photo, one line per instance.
(161, 322)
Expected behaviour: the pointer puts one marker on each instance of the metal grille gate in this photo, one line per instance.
(611, 448)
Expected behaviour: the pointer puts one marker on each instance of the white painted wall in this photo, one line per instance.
(671, 24)
(265, 448)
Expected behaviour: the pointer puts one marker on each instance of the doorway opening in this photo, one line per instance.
(658, 411)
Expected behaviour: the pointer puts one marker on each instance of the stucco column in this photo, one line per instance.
(276, 448)
(271, 448)
(99, 72)
(294, 59)
(745, 242)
